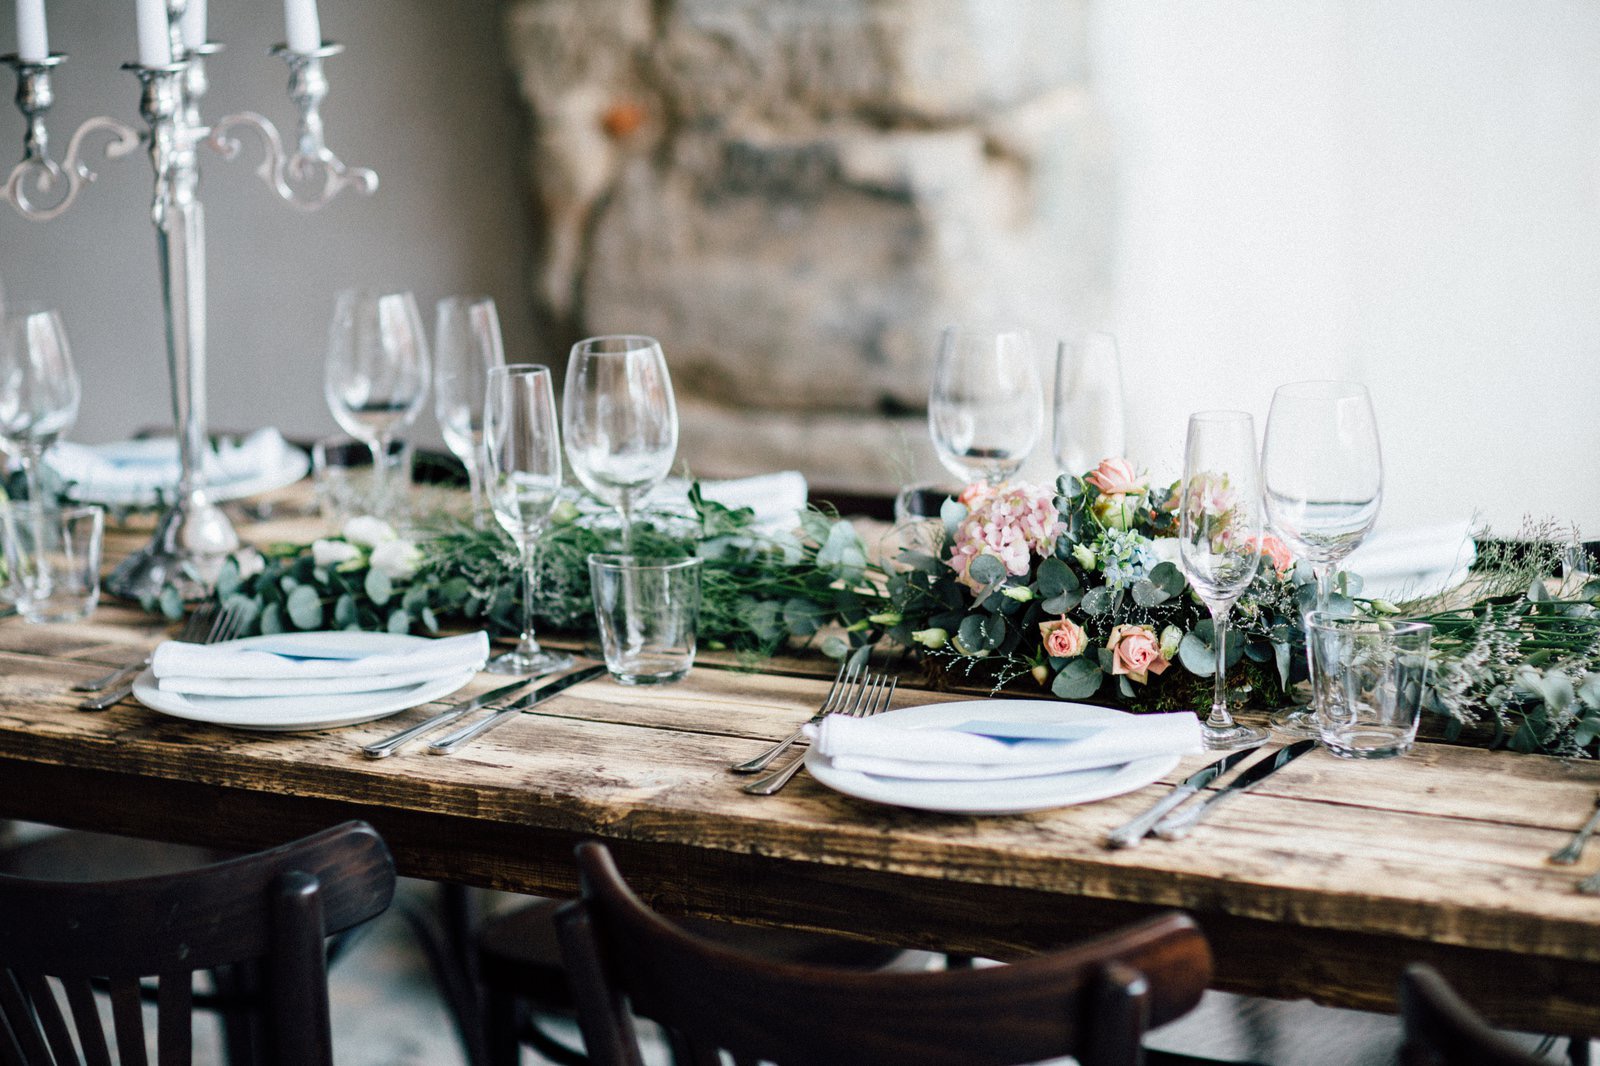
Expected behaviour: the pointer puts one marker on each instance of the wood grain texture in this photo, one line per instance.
(1322, 883)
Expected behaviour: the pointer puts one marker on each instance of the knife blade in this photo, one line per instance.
(386, 747)
(1176, 826)
(1129, 835)
(453, 740)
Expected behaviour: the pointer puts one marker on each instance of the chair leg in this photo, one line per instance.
(459, 991)
(1578, 1051)
(502, 1028)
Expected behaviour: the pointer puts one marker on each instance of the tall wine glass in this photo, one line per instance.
(984, 409)
(1323, 471)
(1089, 423)
(39, 389)
(466, 346)
(377, 371)
(1219, 539)
(621, 420)
(522, 453)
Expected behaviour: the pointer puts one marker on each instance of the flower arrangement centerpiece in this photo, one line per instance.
(1081, 589)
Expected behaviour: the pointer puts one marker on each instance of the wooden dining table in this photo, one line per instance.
(1321, 883)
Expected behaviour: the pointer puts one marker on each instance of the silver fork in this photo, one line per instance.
(225, 625)
(848, 675)
(871, 696)
(193, 631)
(1574, 849)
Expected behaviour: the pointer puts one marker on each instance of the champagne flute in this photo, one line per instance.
(984, 410)
(39, 390)
(1089, 423)
(1219, 539)
(621, 420)
(522, 453)
(466, 346)
(1323, 471)
(376, 373)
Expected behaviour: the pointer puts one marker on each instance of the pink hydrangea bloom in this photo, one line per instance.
(1012, 522)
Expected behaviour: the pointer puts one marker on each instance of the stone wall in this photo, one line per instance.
(796, 196)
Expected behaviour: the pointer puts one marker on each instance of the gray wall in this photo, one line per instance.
(421, 96)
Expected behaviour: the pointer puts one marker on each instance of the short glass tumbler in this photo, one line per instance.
(53, 560)
(1367, 678)
(647, 611)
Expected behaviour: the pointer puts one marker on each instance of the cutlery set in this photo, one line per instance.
(856, 693)
(499, 714)
(208, 624)
(1167, 825)
(1573, 851)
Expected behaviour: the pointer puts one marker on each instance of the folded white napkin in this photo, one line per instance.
(221, 670)
(887, 749)
(128, 470)
(777, 499)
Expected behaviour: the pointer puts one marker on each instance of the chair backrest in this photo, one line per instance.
(1093, 1001)
(1441, 1030)
(59, 940)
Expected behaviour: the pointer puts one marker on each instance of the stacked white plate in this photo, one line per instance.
(141, 473)
(303, 681)
(1002, 791)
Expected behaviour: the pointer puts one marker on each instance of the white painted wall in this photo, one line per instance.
(1406, 192)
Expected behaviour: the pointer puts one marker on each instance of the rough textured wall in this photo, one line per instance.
(796, 196)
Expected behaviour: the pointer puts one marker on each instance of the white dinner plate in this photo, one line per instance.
(1015, 795)
(289, 713)
(293, 465)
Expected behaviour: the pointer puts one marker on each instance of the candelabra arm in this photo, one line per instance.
(311, 175)
(39, 187)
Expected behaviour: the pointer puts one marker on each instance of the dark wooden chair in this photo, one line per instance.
(1093, 1001)
(1441, 1030)
(60, 941)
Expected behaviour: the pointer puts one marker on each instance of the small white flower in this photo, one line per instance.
(250, 563)
(398, 559)
(330, 553)
(367, 531)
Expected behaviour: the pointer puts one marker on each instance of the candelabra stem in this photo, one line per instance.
(193, 536)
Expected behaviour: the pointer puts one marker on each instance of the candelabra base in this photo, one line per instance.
(190, 544)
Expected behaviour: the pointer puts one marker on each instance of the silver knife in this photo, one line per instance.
(382, 749)
(451, 741)
(1176, 826)
(1129, 835)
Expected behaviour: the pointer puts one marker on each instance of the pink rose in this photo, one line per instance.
(1276, 552)
(1063, 638)
(1117, 477)
(1136, 652)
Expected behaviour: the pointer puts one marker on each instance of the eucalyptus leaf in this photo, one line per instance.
(1197, 655)
(228, 578)
(972, 634)
(304, 607)
(399, 621)
(272, 619)
(171, 602)
(986, 570)
(378, 587)
(1061, 604)
(1056, 577)
(1147, 593)
(1168, 578)
(1096, 601)
(1078, 680)
(345, 614)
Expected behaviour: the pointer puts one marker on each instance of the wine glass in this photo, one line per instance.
(1323, 473)
(466, 346)
(621, 420)
(377, 372)
(984, 409)
(1219, 541)
(1089, 419)
(522, 463)
(39, 389)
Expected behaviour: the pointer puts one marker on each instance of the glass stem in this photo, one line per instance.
(475, 488)
(1325, 577)
(625, 508)
(30, 475)
(1220, 718)
(380, 455)
(530, 589)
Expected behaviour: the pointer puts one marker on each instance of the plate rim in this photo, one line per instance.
(176, 705)
(296, 461)
(1129, 777)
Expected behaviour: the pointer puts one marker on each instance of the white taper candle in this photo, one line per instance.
(194, 24)
(155, 34)
(33, 44)
(301, 28)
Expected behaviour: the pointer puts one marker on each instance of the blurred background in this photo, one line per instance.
(795, 196)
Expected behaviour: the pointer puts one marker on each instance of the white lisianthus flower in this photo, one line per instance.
(1167, 550)
(250, 563)
(397, 559)
(367, 531)
(330, 553)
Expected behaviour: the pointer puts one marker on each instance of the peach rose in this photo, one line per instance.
(1136, 652)
(1117, 477)
(1063, 638)
(1276, 552)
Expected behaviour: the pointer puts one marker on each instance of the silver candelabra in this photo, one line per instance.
(193, 536)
